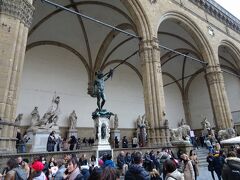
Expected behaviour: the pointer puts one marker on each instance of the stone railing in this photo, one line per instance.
(217, 11)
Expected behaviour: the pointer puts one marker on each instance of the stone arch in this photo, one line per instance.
(190, 26)
(233, 48)
(143, 25)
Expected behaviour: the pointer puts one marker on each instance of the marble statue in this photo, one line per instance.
(99, 88)
(73, 120)
(115, 121)
(181, 123)
(226, 133)
(206, 124)
(141, 121)
(181, 133)
(176, 134)
(19, 118)
(50, 118)
(35, 116)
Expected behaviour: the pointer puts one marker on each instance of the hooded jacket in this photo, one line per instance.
(231, 168)
(137, 172)
(175, 175)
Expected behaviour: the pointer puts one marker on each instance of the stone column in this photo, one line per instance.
(186, 108)
(153, 90)
(15, 19)
(220, 104)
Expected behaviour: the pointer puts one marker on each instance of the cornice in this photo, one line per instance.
(20, 9)
(217, 11)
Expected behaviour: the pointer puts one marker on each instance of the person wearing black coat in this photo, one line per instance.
(72, 142)
(231, 167)
(136, 171)
(51, 141)
(210, 159)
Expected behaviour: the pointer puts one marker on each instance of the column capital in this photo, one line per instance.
(20, 9)
(147, 44)
(214, 74)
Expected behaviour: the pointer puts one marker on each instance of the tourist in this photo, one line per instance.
(96, 174)
(64, 144)
(163, 156)
(83, 160)
(61, 169)
(109, 173)
(78, 144)
(193, 139)
(188, 168)
(136, 171)
(124, 142)
(83, 164)
(72, 172)
(154, 174)
(121, 160)
(109, 162)
(25, 167)
(128, 159)
(148, 163)
(231, 167)
(72, 142)
(18, 142)
(14, 170)
(116, 141)
(38, 174)
(209, 145)
(218, 163)
(171, 171)
(58, 143)
(51, 141)
(210, 160)
(134, 142)
(193, 157)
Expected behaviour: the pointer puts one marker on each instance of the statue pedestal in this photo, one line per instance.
(184, 146)
(38, 138)
(73, 132)
(102, 132)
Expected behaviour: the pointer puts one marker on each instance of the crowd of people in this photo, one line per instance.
(160, 165)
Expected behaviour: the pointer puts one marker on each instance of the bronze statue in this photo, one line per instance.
(99, 88)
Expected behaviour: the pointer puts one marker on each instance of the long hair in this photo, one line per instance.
(109, 173)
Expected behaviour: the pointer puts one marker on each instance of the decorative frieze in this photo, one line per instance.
(217, 11)
(20, 9)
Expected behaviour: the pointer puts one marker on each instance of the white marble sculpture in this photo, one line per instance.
(50, 118)
(18, 118)
(181, 133)
(35, 117)
(206, 124)
(73, 120)
(226, 133)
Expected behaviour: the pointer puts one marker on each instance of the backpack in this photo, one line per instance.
(20, 174)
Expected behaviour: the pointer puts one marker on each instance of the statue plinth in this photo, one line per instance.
(38, 138)
(73, 132)
(102, 132)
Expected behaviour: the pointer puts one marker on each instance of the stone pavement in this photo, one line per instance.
(204, 174)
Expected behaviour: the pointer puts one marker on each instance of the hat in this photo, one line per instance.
(37, 166)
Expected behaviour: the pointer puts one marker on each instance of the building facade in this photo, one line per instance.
(46, 49)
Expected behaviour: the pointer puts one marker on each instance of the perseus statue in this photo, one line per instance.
(99, 87)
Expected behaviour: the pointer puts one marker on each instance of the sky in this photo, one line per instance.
(233, 6)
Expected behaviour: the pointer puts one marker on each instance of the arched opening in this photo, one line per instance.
(185, 87)
(63, 53)
(229, 58)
